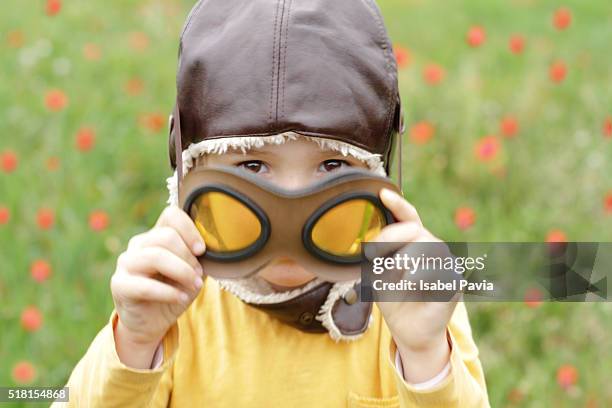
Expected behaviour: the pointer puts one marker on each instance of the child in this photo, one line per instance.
(290, 91)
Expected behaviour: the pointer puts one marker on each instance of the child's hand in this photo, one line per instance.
(156, 279)
(418, 328)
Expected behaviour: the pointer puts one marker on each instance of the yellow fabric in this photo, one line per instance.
(224, 353)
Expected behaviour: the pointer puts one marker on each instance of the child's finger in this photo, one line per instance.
(152, 260)
(176, 218)
(399, 232)
(137, 287)
(401, 209)
(169, 238)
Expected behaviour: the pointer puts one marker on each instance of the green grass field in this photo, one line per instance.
(501, 145)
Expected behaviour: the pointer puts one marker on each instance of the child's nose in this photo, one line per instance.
(293, 181)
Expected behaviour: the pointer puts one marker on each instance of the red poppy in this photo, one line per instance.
(402, 56)
(557, 71)
(562, 18)
(567, 375)
(5, 215)
(153, 121)
(56, 100)
(92, 52)
(607, 127)
(45, 218)
(40, 270)
(464, 217)
(53, 7)
(139, 41)
(533, 297)
(608, 203)
(8, 161)
(433, 74)
(515, 396)
(133, 86)
(15, 39)
(421, 132)
(31, 318)
(53, 163)
(85, 139)
(24, 372)
(476, 36)
(556, 235)
(487, 148)
(516, 44)
(508, 126)
(98, 220)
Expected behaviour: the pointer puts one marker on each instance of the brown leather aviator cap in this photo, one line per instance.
(261, 67)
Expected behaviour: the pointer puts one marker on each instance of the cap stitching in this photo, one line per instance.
(273, 65)
(285, 58)
(193, 12)
(280, 51)
(388, 62)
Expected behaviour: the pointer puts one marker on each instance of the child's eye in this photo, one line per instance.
(255, 166)
(333, 164)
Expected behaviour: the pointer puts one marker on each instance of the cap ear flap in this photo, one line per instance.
(171, 147)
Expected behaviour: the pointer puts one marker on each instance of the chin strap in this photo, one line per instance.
(323, 309)
(178, 146)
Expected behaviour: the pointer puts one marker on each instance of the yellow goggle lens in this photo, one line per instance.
(225, 223)
(341, 229)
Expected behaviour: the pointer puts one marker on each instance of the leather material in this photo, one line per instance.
(352, 319)
(261, 67)
(300, 312)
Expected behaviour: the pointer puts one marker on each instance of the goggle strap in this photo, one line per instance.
(400, 134)
(178, 146)
(399, 164)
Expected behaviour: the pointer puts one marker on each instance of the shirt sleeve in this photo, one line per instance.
(158, 357)
(425, 384)
(464, 386)
(100, 379)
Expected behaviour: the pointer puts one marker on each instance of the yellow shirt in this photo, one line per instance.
(224, 353)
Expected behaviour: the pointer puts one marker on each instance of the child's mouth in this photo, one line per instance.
(284, 274)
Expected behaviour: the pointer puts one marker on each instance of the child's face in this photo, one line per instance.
(291, 165)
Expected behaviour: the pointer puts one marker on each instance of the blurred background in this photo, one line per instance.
(509, 138)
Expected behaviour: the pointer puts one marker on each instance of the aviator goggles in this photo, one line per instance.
(248, 222)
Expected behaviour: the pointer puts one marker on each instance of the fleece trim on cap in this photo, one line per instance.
(244, 143)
